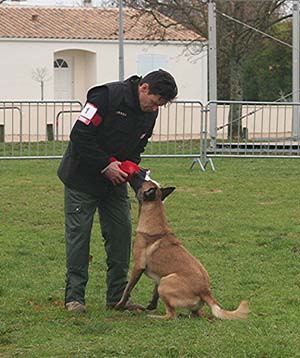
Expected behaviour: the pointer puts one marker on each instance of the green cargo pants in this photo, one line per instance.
(115, 221)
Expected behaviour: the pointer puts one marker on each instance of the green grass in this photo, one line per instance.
(25, 149)
(57, 148)
(179, 147)
(241, 221)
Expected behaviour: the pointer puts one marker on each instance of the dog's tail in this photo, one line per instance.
(240, 313)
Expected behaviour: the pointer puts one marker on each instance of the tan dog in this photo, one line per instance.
(181, 280)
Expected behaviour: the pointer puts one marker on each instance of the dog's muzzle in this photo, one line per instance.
(137, 180)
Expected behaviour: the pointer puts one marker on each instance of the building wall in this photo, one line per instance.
(94, 63)
(191, 77)
(17, 62)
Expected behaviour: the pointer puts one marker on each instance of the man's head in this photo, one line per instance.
(156, 89)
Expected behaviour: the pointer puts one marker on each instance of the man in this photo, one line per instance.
(111, 133)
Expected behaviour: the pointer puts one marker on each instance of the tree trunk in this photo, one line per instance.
(236, 94)
(42, 90)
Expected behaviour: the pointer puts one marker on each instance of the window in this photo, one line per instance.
(60, 63)
(151, 62)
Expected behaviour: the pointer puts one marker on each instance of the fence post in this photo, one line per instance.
(203, 160)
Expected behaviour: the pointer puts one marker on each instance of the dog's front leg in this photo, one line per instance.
(135, 276)
(153, 304)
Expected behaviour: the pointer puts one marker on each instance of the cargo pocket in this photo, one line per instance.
(73, 216)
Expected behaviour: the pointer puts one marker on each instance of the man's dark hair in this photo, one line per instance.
(161, 83)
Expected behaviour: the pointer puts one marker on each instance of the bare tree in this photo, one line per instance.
(41, 75)
(235, 41)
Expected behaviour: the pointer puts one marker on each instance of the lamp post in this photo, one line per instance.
(295, 121)
(121, 42)
(212, 69)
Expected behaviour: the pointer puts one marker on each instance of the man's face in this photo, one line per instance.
(149, 102)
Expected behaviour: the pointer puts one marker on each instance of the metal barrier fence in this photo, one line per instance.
(252, 129)
(35, 129)
(178, 131)
(40, 129)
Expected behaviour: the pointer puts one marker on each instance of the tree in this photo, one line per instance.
(267, 72)
(236, 41)
(40, 75)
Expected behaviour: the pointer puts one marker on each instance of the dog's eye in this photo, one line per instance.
(149, 194)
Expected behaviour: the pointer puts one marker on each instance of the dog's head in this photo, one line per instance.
(148, 190)
(137, 180)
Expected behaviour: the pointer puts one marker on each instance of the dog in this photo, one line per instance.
(181, 281)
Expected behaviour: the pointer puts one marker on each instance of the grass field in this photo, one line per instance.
(242, 222)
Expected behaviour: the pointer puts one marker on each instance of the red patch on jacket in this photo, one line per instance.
(89, 115)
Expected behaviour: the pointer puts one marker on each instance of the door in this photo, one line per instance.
(63, 78)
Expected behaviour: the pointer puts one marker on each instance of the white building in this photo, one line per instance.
(71, 49)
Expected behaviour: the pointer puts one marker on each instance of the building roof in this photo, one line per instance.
(87, 23)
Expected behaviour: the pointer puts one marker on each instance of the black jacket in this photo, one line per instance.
(119, 129)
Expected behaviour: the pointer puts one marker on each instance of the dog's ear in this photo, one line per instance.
(150, 194)
(166, 192)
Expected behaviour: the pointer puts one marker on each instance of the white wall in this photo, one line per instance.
(190, 77)
(17, 61)
(19, 58)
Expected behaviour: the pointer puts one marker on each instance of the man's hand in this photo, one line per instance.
(115, 174)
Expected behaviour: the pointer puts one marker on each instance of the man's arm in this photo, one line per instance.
(84, 131)
(84, 137)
